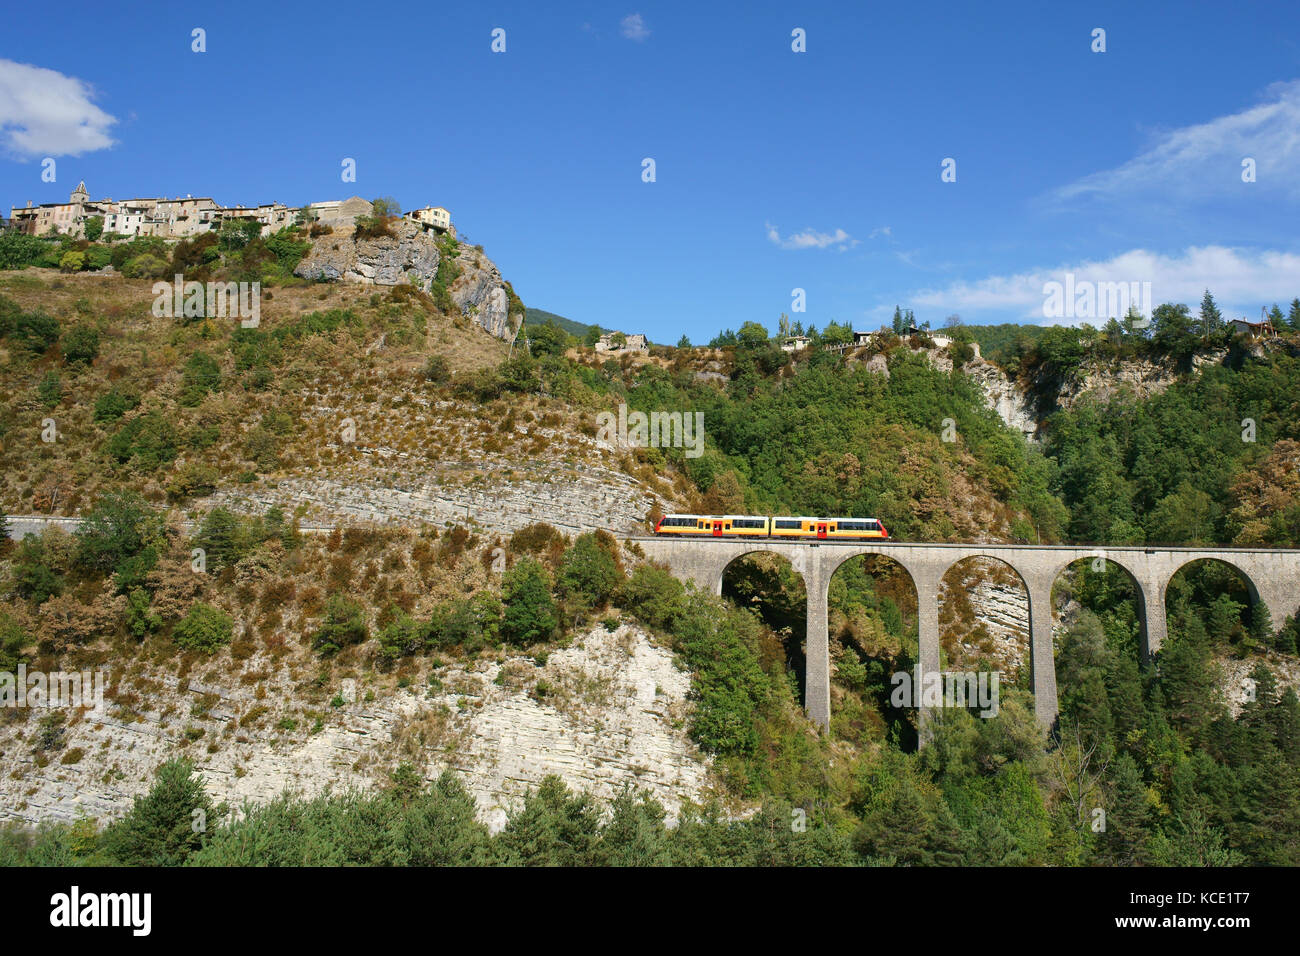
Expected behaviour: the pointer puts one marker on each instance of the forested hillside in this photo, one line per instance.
(159, 417)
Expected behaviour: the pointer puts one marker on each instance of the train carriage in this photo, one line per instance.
(757, 526)
(714, 526)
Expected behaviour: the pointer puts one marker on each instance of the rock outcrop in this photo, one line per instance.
(412, 256)
(607, 712)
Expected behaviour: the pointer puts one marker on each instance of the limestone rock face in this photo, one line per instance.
(411, 256)
(614, 715)
(1004, 396)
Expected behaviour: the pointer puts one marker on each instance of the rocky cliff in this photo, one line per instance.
(413, 256)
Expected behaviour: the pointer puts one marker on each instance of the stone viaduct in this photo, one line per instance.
(1272, 576)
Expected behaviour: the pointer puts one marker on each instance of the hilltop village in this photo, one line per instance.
(182, 218)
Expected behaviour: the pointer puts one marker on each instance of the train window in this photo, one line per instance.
(789, 525)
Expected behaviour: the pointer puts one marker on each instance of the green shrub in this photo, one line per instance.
(587, 575)
(402, 635)
(121, 526)
(436, 370)
(18, 251)
(146, 442)
(97, 257)
(344, 625)
(35, 331)
(115, 403)
(81, 344)
(201, 376)
(529, 607)
(50, 389)
(204, 628)
(146, 266)
(34, 576)
(654, 596)
(470, 624)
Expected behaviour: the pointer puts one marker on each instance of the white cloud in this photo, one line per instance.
(811, 239)
(1205, 159)
(1242, 280)
(44, 113)
(634, 27)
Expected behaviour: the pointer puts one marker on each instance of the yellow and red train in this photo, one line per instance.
(752, 526)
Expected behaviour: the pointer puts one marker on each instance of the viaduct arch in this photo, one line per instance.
(1272, 576)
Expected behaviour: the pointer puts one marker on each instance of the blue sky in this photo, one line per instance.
(775, 170)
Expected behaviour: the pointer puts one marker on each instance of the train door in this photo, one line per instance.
(717, 529)
(821, 529)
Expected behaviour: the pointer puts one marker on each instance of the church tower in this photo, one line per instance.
(79, 195)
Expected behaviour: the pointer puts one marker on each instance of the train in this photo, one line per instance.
(772, 526)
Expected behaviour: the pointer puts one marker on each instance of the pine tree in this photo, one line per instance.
(1293, 317)
(1261, 625)
(1128, 815)
(167, 824)
(1211, 317)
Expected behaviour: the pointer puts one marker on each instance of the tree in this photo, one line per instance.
(1293, 317)
(552, 828)
(548, 339)
(343, 626)
(1276, 317)
(120, 527)
(836, 334)
(529, 607)
(1186, 516)
(1174, 332)
(235, 234)
(684, 343)
(752, 335)
(588, 574)
(166, 825)
(1128, 816)
(385, 207)
(899, 323)
(94, 228)
(1211, 317)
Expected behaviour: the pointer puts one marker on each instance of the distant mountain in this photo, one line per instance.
(541, 317)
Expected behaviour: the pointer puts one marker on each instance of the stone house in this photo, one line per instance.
(634, 343)
(340, 211)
